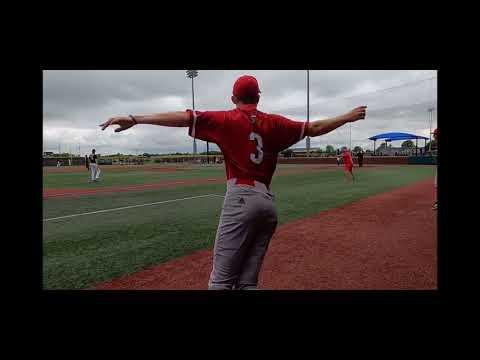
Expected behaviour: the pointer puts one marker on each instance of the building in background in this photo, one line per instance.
(396, 151)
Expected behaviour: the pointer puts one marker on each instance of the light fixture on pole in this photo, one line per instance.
(192, 74)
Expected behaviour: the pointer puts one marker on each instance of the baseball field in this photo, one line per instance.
(153, 227)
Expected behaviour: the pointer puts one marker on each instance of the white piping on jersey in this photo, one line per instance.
(194, 123)
(303, 131)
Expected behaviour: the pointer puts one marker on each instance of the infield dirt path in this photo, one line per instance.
(384, 242)
(74, 192)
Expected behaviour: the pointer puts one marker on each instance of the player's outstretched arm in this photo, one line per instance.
(320, 127)
(172, 119)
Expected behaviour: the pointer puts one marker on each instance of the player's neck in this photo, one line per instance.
(243, 106)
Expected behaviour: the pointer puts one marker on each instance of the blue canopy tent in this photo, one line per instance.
(394, 136)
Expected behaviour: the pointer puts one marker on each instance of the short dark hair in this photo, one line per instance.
(250, 99)
(93, 150)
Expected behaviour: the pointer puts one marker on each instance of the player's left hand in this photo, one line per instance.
(356, 114)
(124, 123)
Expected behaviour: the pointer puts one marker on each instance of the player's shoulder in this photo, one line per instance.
(272, 119)
(214, 112)
(233, 112)
(271, 116)
(210, 113)
(280, 119)
(216, 115)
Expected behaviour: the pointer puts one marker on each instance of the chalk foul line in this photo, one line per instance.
(132, 206)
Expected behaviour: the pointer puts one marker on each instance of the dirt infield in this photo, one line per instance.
(64, 193)
(385, 242)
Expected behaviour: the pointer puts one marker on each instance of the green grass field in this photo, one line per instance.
(79, 252)
(117, 178)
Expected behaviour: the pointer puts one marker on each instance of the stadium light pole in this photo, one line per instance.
(350, 136)
(192, 74)
(308, 110)
(430, 111)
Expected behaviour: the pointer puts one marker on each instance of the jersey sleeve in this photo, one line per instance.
(207, 125)
(287, 132)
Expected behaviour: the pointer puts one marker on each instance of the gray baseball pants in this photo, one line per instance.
(247, 223)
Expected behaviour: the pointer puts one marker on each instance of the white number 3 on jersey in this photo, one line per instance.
(258, 157)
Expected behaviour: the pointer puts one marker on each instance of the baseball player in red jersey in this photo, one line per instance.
(348, 163)
(250, 141)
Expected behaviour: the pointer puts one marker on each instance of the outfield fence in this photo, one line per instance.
(370, 160)
(52, 161)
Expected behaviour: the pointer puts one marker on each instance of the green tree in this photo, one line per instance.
(211, 153)
(330, 149)
(357, 149)
(408, 144)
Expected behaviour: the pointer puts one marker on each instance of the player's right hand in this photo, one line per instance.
(124, 123)
(356, 114)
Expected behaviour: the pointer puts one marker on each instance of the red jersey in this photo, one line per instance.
(250, 140)
(347, 158)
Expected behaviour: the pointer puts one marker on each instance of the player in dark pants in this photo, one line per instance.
(250, 141)
(93, 167)
(360, 158)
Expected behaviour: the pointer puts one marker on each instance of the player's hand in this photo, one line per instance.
(124, 123)
(356, 114)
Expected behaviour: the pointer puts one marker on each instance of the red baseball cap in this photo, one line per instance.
(246, 86)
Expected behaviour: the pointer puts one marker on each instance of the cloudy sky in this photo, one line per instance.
(75, 102)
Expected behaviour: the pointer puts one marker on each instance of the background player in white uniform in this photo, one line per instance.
(93, 166)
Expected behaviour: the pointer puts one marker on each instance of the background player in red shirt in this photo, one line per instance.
(348, 163)
(250, 141)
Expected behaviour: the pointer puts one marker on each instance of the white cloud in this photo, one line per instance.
(75, 102)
